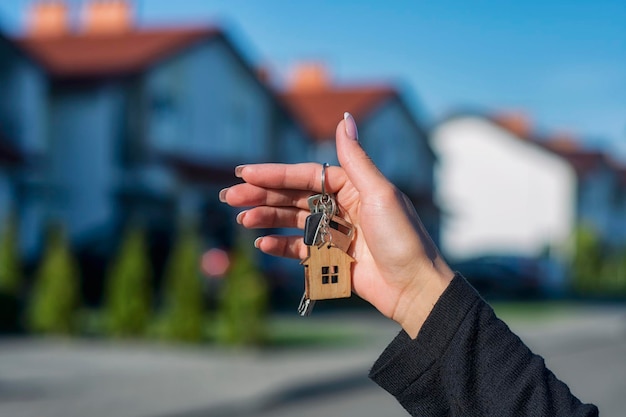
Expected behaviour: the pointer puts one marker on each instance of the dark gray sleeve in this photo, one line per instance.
(467, 362)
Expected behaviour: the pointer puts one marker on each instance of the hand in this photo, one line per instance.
(398, 268)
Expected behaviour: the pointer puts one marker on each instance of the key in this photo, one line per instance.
(327, 270)
(341, 233)
(306, 306)
(318, 203)
(311, 228)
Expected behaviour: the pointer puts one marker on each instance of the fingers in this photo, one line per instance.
(305, 177)
(283, 246)
(358, 166)
(272, 217)
(248, 195)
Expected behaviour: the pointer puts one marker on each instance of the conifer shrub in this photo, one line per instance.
(613, 273)
(588, 261)
(243, 305)
(11, 277)
(183, 298)
(55, 296)
(128, 288)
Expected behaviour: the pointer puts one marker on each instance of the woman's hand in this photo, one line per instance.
(398, 268)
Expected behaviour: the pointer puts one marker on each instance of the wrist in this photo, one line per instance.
(419, 298)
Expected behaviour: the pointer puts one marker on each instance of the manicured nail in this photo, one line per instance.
(350, 124)
(239, 170)
(240, 217)
(257, 242)
(223, 195)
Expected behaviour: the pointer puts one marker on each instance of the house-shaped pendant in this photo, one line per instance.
(327, 272)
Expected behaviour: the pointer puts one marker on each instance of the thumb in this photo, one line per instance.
(358, 166)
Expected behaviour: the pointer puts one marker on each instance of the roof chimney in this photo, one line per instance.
(517, 123)
(106, 17)
(311, 76)
(47, 18)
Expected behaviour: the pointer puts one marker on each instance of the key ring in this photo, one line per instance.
(324, 198)
(324, 166)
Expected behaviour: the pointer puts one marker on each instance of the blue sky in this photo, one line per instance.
(563, 63)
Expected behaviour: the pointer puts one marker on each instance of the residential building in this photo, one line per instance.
(502, 193)
(389, 131)
(138, 125)
(138, 115)
(599, 203)
(22, 136)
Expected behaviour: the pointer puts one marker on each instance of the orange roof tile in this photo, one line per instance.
(88, 56)
(320, 110)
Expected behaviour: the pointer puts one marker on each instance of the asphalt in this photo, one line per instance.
(82, 377)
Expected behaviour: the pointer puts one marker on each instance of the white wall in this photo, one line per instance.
(500, 194)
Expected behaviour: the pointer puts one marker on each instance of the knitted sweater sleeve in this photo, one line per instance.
(467, 362)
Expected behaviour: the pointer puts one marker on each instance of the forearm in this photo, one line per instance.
(465, 361)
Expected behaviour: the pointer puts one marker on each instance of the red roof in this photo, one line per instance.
(320, 110)
(88, 56)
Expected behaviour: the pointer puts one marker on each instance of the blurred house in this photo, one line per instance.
(145, 122)
(507, 191)
(129, 125)
(601, 189)
(22, 136)
(104, 124)
(391, 134)
(503, 194)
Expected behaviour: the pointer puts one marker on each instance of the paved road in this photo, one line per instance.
(96, 379)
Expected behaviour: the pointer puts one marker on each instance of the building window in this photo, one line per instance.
(165, 120)
(329, 277)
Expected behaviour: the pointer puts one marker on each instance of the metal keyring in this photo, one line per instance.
(324, 166)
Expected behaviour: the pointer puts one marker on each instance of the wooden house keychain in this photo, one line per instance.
(327, 268)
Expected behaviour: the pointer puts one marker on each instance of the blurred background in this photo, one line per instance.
(121, 120)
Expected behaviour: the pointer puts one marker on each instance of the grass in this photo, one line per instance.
(522, 311)
(282, 331)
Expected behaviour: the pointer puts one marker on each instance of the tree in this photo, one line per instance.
(10, 277)
(184, 310)
(613, 273)
(10, 268)
(244, 303)
(128, 291)
(56, 292)
(588, 261)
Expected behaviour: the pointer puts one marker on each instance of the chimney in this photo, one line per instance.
(106, 17)
(563, 141)
(47, 18)
(517, 123)
(311, 76)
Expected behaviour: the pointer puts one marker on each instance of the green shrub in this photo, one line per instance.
(56, 294)
(10, 263)
(184, 310)
(128, 290)
(10, 278)
(243, 304)
(588, 261)
(613, 273)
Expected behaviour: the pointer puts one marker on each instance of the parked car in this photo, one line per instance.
(496, 276)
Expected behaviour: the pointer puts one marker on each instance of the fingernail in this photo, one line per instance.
(240, 217)
(239, 170)
(350, 125)
(223, 195)
(257, 242)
